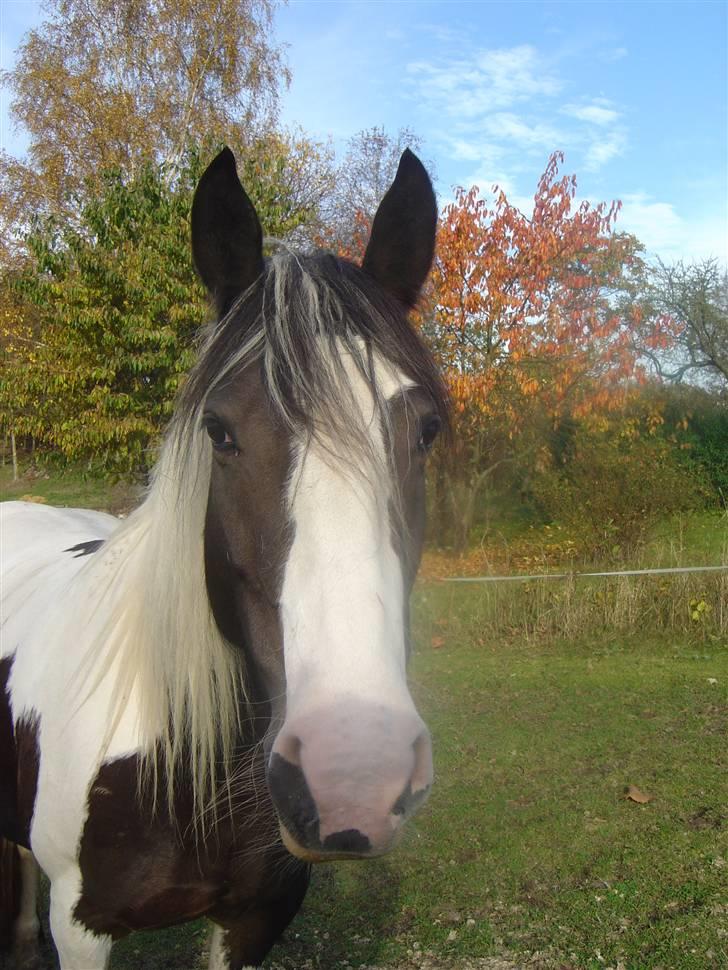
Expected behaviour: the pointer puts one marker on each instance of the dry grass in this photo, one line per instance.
(693, 604)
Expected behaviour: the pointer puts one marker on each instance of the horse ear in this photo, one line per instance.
(227, 241)
(402, 243)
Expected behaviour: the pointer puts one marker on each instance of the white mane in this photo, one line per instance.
(160, 637)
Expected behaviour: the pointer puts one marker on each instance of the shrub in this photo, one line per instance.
(613, 486)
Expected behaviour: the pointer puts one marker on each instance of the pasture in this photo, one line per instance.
(528, 848)
(545, 703)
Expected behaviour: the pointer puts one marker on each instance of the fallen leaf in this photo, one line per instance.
(438, 642)
(633, 794)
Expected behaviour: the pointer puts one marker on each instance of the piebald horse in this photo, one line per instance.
(201, 700)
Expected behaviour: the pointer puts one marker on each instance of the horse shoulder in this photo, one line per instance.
(59, 697)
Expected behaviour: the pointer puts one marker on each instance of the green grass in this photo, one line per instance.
(689, 539)
(536, 744)
(71, 488)
(528, 844)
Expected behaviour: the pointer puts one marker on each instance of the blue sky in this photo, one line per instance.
(635, 94)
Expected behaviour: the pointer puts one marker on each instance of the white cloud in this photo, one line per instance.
(603, 149)
(506, 125)
(595, 113)
(465, 150)
(707, 238)
(440, 33)
(506, 97)
(489, 80)
(615, 54)
(671, 236)
(518, 72)
(656, 224)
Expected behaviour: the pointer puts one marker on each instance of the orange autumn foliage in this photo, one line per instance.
(354, 245)
(519, 305)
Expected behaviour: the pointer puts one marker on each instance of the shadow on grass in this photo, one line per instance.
(176, 948)
(351, 912)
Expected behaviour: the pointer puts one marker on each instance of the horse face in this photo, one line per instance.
(311, 566)
(311, 549)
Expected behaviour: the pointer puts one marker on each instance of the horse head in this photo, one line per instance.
(321, 404)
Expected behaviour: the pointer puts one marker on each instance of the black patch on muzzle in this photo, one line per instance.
(85, 548)
(293, 801)
(350, 840)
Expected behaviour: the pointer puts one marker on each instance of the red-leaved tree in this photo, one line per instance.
(523, 314)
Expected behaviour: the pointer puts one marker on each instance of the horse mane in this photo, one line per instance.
(304, 322)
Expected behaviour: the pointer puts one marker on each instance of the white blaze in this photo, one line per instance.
(342, 604)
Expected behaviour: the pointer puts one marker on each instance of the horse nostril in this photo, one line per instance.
(292, 798)
(418, 787)
(289, 746)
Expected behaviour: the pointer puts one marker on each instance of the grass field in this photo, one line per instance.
(543, 711)
(528, 845)
(70, 488)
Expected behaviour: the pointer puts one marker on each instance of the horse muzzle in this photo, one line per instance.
(344, 782)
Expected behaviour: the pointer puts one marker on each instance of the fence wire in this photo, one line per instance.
(583, 575)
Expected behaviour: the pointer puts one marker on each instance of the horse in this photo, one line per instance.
(202, 700)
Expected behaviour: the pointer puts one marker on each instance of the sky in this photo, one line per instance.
(635, 94)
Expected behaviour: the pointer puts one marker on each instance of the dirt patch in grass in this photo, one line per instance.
(706, 817)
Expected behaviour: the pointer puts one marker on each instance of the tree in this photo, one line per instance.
(104, 85)
(688, 306)
(697, 422)
(291, 178)
(363, 177)
(111, 308)
(117, 306)
(522, 317)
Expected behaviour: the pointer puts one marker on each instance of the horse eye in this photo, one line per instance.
(429, 430)
(221, 439)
